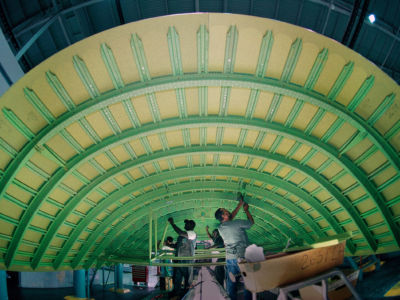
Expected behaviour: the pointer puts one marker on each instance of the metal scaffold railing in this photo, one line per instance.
(159, 257)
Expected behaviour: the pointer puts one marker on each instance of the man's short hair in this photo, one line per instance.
(218, 214)
(170, 239)
(190, 224)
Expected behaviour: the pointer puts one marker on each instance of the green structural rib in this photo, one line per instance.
(110, 137)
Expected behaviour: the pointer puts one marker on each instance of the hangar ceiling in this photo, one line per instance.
(171, 116)
(37, 29)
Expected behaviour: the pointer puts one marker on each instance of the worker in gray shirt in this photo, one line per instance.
(185, 246)
(235, 238)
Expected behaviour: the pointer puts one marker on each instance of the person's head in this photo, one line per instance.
(169, 240)
(190, 224)
(222, 215)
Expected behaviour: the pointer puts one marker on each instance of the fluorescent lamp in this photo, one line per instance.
(371, 18)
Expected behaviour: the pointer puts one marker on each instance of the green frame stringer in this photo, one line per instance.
(178, 136)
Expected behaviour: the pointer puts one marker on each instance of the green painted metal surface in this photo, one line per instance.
(174, 121)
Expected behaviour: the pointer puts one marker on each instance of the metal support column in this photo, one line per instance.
(10, 70)
(3, 285)
(118, 277)
(102, 277)
(163, 236)
(155, 236)
(87, 283)
(79, 283)
(150, 232)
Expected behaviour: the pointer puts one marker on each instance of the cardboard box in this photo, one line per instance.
(294, 267)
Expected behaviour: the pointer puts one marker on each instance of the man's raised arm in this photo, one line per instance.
(234, 213)
(246, 210)
(176, 228)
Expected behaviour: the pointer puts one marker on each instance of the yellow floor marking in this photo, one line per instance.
(394, 291)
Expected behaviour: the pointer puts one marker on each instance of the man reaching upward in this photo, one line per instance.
(185, 246)
(233, 232)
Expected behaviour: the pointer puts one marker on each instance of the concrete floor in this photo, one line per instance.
(375, 284)
(372, 287)
(97, 293)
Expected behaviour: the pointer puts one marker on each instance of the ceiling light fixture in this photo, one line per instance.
(371, 18)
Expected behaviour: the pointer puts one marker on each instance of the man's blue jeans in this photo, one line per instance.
(232, 280)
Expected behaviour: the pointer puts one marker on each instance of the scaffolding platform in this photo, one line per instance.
(284, 292)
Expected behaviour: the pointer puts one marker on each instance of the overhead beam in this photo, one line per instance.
(259, 229)
(256, 230)
(40, 19)
(199, 80)
(228, 171)
(380, 25)
(56, 178)
(47, 21)
(43, 194)
(105, 242)
(279, 129)
(182, 187)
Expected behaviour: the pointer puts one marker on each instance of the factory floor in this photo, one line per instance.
(97, 292)
(373, 287)
(376, 284)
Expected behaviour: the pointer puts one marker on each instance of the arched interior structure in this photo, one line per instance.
(171, 116)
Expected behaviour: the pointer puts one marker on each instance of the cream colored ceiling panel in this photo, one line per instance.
(142, 109)
(175, 113)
